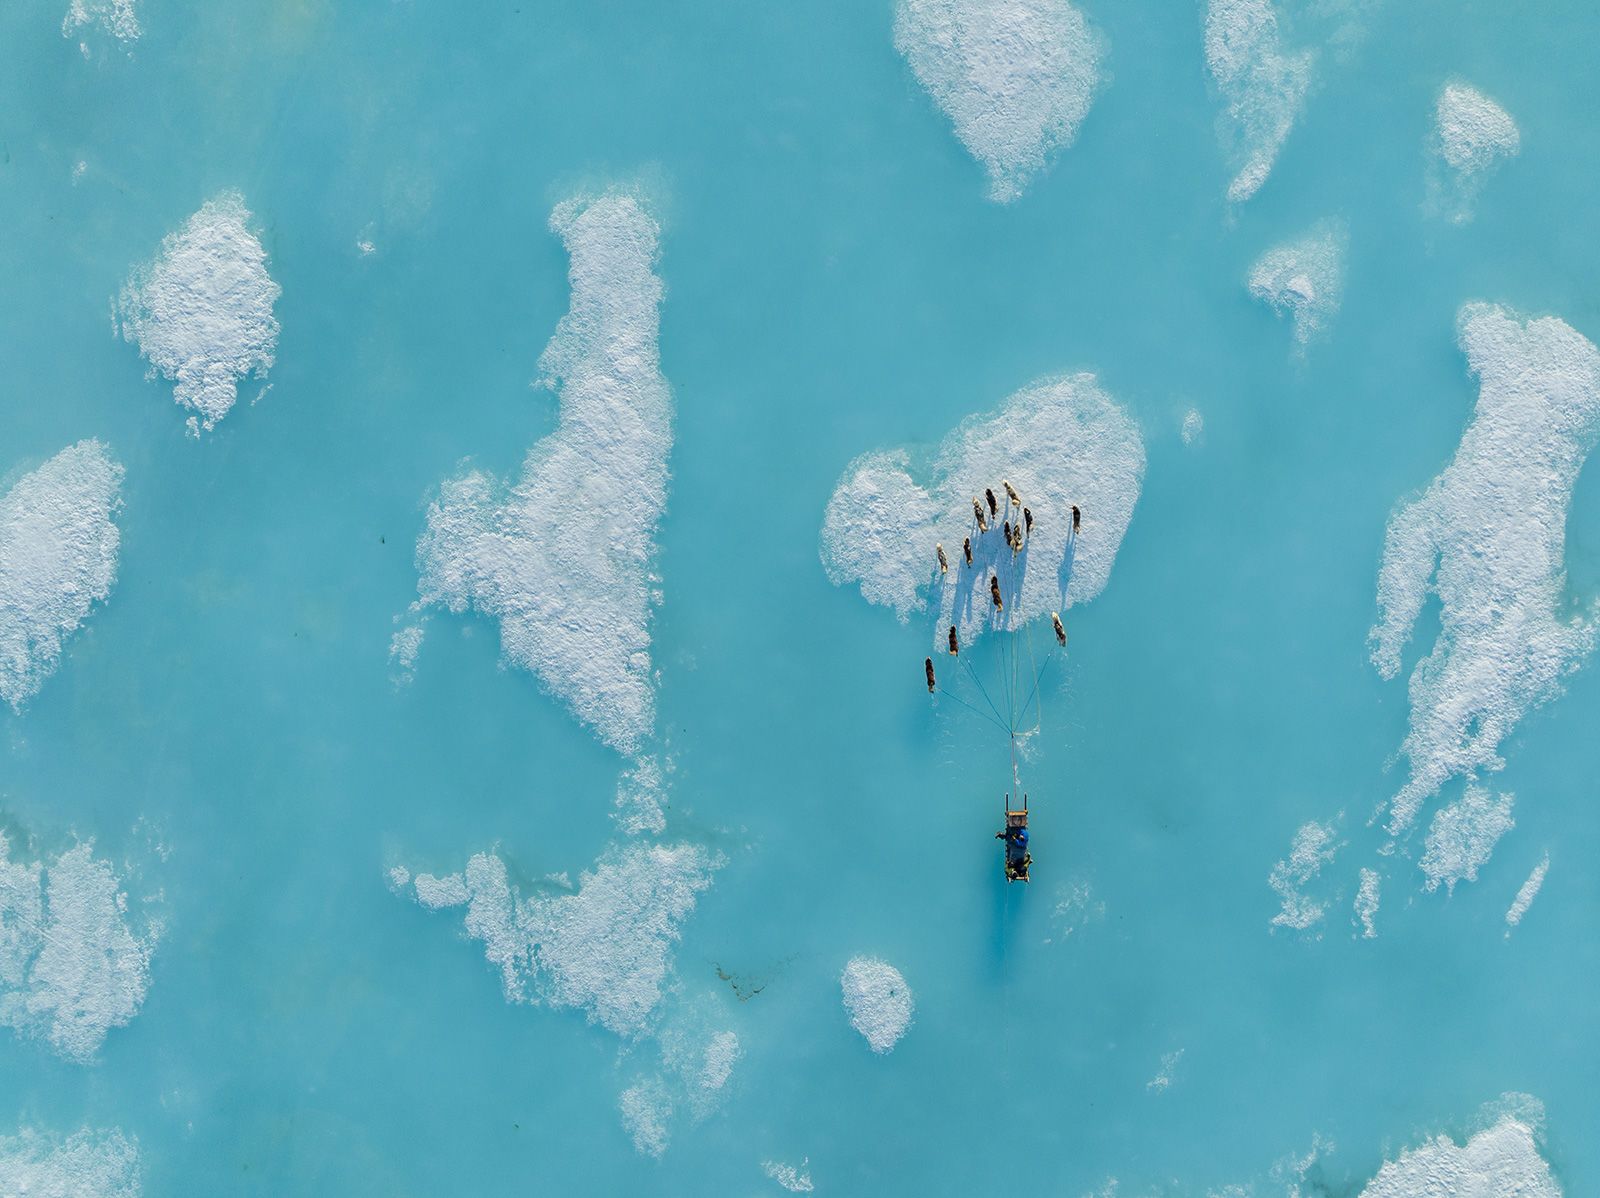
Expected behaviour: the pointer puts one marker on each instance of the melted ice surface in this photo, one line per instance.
(1304, 278)
(201, 311)
(877, 1000)
(1487, 536)
(84, 1165)
(1262, 84)
(1015, 77)
(1502, 1161)
(1463, 835)
(1060, 443)
(71, 966)
(562, 558)
(58, 558)
(604, 947)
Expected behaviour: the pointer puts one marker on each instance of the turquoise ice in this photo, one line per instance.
(492, 756)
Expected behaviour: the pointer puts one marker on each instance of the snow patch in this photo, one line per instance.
(1367, 903)
(1314, 847)
(604, 946)
(692, 1078)
(1472, 135)
(1488, 537)
(71, 965)
(1474, 131)
(794, 1178)
(877, 1000)
(1262, 84)
(645, 1109)
(58, 558)
(86, 1164)
(439, 893)
(641, 799)
(1463, 835)
(1501, 1161)
(1015, 77)
(201, 310)
(722, 1052)
(1169, 1067)
(404, 646)
(1060, 442)
(1194, 426)
(116, 17)
(562, 558)
(1526, 894)
(1305, 278)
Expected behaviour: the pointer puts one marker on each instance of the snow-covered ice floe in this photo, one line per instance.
(1060, 442)
(877, 1000)
(1015, 77)
(1526, 893)
(119, 18)
(1314, 846)
(1463, 835)
(1487, 537)
(562, 558)
(1502, 1160)
(201, 311)
(1501, 1157)
(86, 1164)
(691, 1082)
(1367, 893)
(73, 963)
(58, 558)
(1304, 278)
(1263, 86)
(794, 1178)
(640, 806)
(1472, 136)
(603, 946)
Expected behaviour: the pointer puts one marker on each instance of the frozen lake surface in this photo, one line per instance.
(471, 486)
